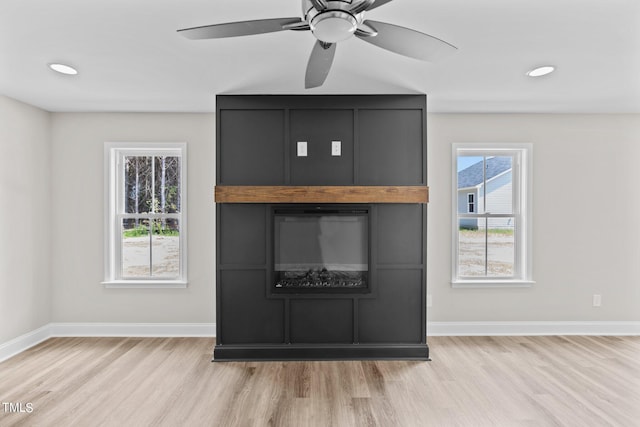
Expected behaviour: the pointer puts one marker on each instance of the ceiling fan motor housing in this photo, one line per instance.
(334, 23)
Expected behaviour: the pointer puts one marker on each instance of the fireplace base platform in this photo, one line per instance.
(280, 352)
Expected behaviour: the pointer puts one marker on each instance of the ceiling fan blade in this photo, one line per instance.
(319, 64)
(408, 42)
(378, 3)
(319, 4)
(242, 28)
(361, 7)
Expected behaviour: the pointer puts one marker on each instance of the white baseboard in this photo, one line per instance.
(531, 328)
(28, 340)
(133, 329)
(24, 342)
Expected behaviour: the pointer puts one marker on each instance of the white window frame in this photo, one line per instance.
(522, 213)
(114, 152)
(471, 203)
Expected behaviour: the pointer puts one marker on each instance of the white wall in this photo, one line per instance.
(585, 209)
(78, 219)
(25, 290)
(585, 239)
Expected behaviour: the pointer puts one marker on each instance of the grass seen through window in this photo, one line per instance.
(143, 230)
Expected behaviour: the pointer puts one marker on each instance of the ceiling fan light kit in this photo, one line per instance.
(333, 26)
(330, 22)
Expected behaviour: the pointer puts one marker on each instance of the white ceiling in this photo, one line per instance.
(130, 57)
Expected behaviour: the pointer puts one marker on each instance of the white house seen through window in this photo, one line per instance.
(146, 223)
(491, 206)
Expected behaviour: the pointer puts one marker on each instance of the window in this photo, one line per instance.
(492, 221)
(471, 207)
(146, 216)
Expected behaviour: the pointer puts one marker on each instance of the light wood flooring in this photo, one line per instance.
(471, 381)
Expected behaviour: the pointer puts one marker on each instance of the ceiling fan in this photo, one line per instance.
(332, 21)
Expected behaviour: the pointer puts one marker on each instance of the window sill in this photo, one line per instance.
(492, 283)
(145, 284)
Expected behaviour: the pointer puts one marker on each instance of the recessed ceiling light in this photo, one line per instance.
(541, 71)
(64, 69)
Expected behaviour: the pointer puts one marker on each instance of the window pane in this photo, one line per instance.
(486, 252)
(167, 184)
(472, 247)
(500, 247)
(469, 171)
(136, 254)
(498, 191)
(166, 248)
(138, 185)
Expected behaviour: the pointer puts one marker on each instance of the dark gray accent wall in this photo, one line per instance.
(383, 139)
(318, 128)
(391, 149)
(395, 315)
(255, 152)
(400, 241)
(248, 318)
(243, 235)
(383, 143)
(321, 321)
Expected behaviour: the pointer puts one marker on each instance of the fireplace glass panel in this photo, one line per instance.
(316, 249)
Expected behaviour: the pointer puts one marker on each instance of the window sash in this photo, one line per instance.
(485, 215)
(150, 215)
(519, 212)
(121, 180)
(517, 265)
(153, 261)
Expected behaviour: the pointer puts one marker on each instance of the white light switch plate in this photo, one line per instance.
(302, 148)
(336, 148)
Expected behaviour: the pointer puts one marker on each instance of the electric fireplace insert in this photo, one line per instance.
(321, 249)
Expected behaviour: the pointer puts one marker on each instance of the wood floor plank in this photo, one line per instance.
(471, 381)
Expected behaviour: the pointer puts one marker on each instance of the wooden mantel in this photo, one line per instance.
(321, 194)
